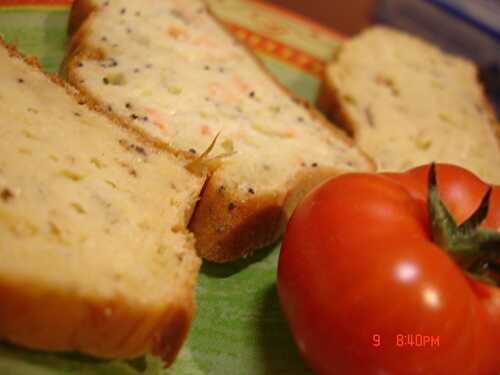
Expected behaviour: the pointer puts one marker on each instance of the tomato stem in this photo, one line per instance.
(476, 249)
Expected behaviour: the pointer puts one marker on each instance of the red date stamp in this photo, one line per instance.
(407, 340)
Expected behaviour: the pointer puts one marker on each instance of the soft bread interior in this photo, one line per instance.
(183, 79)
(408, 103)
(171, 70)
(87, 209)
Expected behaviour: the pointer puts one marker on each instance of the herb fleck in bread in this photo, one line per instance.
(169, 69)
(408, 103)
(94, 254)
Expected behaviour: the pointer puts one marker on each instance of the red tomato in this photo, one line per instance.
(366, 290)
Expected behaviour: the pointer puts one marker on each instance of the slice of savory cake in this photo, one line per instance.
(94, 252)
(408, 103)
(168, 68)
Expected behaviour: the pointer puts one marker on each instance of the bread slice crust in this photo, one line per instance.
(43, 316)
(229, 225)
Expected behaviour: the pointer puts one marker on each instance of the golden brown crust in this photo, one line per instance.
(40, 318)
(80, 10)
(221, 234)
(46, 320)
(173, 326)
(227, 228)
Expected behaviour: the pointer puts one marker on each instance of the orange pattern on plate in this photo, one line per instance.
(261, 43)
(6, 3)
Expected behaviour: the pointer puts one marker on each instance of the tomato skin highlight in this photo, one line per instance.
(357, 260)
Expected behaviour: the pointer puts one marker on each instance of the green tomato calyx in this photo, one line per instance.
(475, 249)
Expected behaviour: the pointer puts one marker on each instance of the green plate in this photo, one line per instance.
(238, 327)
